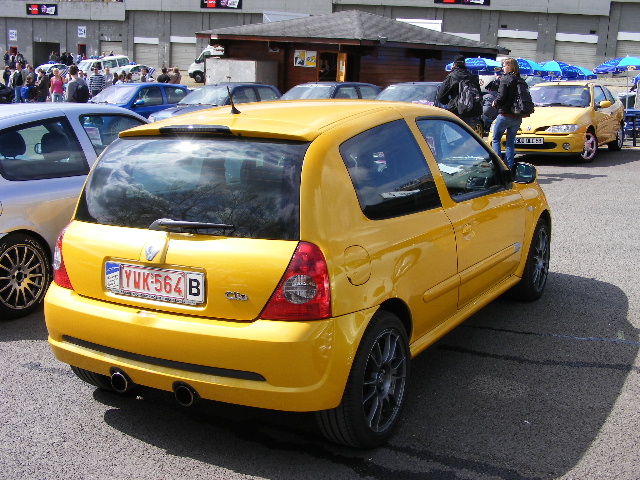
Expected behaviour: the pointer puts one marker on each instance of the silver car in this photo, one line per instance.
(46, 151)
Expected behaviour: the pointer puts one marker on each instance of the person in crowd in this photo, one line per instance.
(163, 77)
(450, 89)
(128, 78)
(16, 83)
(28, 90)
(506, 119)
(489, 112)
(96, 82)
(174, 76)
(42, 86)
(108, 77)
(146, 76)
(6, 75)
(74, 82)
(7, 57)
(57, 87)
(120, 79)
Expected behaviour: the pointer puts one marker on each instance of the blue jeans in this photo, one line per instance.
(511, 125)
(17, 97)
(57, 97)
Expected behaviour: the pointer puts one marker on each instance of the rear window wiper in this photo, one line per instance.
(167, 223)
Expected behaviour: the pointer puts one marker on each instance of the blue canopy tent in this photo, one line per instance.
(480, 65)
(559, 71)
(529, 67)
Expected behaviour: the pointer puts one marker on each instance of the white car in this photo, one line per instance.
(113, 62)
(46, 150)
(134, 70)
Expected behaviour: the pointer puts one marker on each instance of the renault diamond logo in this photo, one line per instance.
(151, 251)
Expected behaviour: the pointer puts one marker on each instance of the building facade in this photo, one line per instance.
(163, 32)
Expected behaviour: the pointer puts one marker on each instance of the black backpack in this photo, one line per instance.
(81, 95)
(469, 101)
(523, 105)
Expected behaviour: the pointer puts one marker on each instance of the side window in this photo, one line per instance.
(104, 129)
(244, 95)
(368, 92)
(598, 95)
(267, 94)
(389, 173)
(44, 149)
(346, 92)
(609, 95)
(174, 95)
(466, 164)
(151, 96)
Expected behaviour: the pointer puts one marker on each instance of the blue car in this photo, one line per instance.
(142, 98)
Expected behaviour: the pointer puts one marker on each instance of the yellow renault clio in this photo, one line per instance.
(291, 256)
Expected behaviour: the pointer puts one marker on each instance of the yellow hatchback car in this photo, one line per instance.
(571, 118)
(291, 256)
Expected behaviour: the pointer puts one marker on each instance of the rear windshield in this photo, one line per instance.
(250, 185)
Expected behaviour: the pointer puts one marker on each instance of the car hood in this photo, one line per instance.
(543, 117)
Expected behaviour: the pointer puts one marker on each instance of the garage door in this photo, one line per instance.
(627, 47)
(576, 53)
(182, 55)
(146, 54)
(115, 47)
(520, 47)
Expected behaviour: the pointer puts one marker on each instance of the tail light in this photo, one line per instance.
(303, 293)
(60, 276)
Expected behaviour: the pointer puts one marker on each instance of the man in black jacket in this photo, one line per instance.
(506, 119)
(450, 88)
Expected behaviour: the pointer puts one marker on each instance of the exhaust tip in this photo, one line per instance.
(120, 381)
(185, 394)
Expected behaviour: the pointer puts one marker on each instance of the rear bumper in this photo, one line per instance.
(293, 366)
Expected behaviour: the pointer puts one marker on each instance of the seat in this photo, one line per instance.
(12, 144)
(55, 146)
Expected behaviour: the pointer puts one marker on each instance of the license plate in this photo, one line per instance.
(174, 286)
(529, 141)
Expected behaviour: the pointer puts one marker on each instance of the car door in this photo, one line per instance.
(605, 120)
(148, 100)
(487, 214)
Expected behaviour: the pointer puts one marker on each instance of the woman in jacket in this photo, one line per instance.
(506, 120)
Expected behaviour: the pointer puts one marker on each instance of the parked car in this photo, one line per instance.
(425, 93)
(6, 94)
(114, 62)
(46, 150)
(351, 90)
(571, 118)
(217, 95)
(48, 68)
(142, 98)
(135, 71)
(293, 256)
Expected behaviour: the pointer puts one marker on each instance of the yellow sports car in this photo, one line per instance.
(571, 118)
(292, 255)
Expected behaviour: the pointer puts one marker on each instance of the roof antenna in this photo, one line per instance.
(234, 110)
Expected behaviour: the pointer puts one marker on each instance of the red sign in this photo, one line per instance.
(42, 9)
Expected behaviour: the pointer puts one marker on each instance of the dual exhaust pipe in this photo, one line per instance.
(184, 393)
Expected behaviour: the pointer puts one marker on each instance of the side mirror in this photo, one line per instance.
(138, 103)
(605, 104)
(524, 173)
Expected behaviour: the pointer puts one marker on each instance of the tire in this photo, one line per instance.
(198, 77)
(590, 147)
(536, 271)
(376, 389)
(97, 380)
(616, 145)
(25, 274)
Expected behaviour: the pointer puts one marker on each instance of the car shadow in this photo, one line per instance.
(604, 158)
(30, 327)
(520, 390)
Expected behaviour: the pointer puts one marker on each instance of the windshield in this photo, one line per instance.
(117, 95)
(207, 96)
(308, 91)
(252, 186)
(85, 65)
(561, 96)
(425, 94)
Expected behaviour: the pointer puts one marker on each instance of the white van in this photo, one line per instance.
(196, 69)
(114, 62)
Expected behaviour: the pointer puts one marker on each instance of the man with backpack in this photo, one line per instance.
(509, 117)
(460, 92)
(77, 89)
(16, 82)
